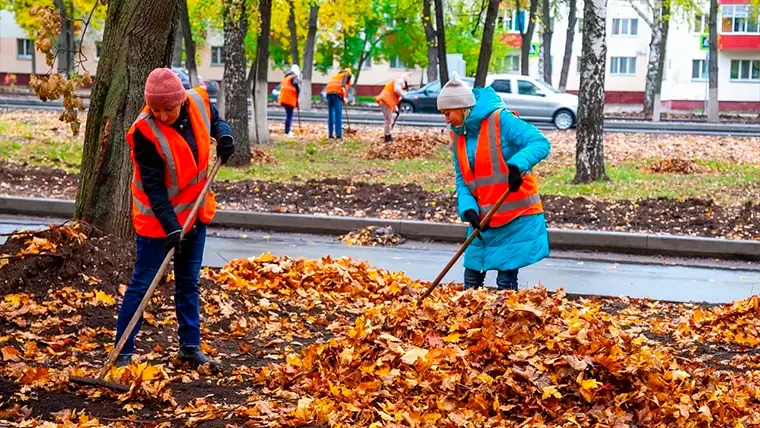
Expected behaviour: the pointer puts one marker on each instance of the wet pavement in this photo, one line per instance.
(610, 275)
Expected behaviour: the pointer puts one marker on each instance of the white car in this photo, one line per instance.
(535, 100)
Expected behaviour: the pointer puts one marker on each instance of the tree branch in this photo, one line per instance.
(642, 14)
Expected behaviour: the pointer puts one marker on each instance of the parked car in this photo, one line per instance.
(211, 86)
(535, 100)
(424, 100)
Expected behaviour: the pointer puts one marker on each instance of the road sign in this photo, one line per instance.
(533, 52)
(704, 42)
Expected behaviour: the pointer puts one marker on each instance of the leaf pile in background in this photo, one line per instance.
(677, 166)
(407, 145)
(374, 236)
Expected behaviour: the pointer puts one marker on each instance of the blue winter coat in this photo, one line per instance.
(524, 240)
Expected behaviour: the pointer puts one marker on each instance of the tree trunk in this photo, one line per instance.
(177, 54)
(187, 34)
(236, 83)
(443, 66)
(139, 37)
(665, 28)
(569, 39)
(66, 38)
(432, 45)
(308, 57)
(659, 22)
(589, 156)
(546, 38)
(526, 35)
(293, 32)
(259, 126)
(486, 46)
(713, 108)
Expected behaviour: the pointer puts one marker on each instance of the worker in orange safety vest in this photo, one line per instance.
(337, 90)
(389, 100)
(290, 90)
(170, 148)
(495, 152)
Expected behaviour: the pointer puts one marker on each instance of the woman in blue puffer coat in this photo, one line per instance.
(495, 151)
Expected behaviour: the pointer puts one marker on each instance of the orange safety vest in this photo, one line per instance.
(184, 178)
(490, 179)
(389, 95)
(288, 95)
(335, 86)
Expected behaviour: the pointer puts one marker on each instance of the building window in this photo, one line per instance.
(98, 46)
(397, 63)
(509, 21)
(24, 48)
(745, 69)
(700, 24)
(736, 19)
(217, 55)
(510, 63)
(623, 65)
(699, 69)
(625, 26)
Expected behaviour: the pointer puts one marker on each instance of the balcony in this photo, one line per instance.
(739, 29)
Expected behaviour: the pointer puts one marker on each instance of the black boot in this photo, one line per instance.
(387, 138)
(123, 361)
(192, 355)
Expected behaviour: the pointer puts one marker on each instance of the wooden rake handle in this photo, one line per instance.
(464, 246)
(156, 279)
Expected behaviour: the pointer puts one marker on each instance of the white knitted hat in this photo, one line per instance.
(455, 94)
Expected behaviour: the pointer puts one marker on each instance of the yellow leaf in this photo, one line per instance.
(413, 354)
(550, 391)
(151, 373)
(452, 338)
(10, 354)
(3, 260)
(103, 299)
(590, 384)
(679, 375)
(347, 356)
(485, 378)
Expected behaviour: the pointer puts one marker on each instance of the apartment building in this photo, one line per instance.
(628, 37)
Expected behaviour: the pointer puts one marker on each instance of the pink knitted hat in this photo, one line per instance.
(164, 89)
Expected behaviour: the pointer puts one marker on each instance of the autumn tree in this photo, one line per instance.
(189, 44)
(572, 21)
(443, 66)
(486, 46)
(713, 107)
(308, 56)
(547, 32)
(432, 40)
(589, 155)
(235, 79)
(526, 33)
(139, 37)
(258, 131)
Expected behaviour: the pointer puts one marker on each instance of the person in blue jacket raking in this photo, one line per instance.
(495, 151)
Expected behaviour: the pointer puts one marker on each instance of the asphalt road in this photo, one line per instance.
(369, 117)
(597, 274)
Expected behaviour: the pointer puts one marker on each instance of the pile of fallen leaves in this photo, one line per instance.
(339, 342)
(374, 236)
(678, 166)
(408, 144)
(260, 157)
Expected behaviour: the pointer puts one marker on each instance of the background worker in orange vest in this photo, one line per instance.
(389, 99)
(495, 151)
(290, 90)
(170, 149)
(337, 90)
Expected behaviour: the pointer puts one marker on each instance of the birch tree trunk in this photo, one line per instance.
(486, 45)
(259, 130)
(236, 83)
(138, 37)
(713, 108)
(308, 57)
(569, 39)
(589, 154)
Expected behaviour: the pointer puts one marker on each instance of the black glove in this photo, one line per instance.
(173, 240)
(225, 148)
(515, 178)
(474, 219)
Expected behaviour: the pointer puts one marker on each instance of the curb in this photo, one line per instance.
(559, 239)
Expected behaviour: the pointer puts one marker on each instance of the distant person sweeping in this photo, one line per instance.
(494, 151)
(389, 99)
(170, 146)
(337, 90)
(290, 90)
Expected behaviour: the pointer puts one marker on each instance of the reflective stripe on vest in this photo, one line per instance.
(490, 179)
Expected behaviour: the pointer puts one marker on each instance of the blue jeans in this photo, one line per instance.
(505, 280)
(288, 118)
(187, 266)
(334, 116)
